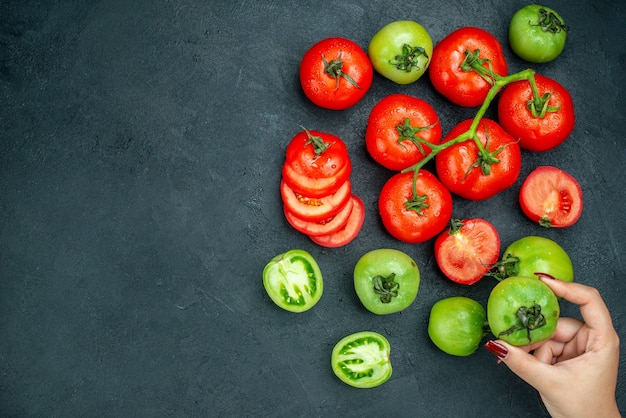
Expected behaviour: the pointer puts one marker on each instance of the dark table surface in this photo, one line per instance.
(140, 161)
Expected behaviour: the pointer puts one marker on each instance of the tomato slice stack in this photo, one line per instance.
(316, 190)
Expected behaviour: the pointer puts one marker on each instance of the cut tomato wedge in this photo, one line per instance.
(467, 250)
(551, 197)
(349, 232)
(316, 186)
(325, 227)
(315, 208)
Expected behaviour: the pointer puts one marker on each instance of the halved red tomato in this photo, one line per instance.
(347, 233)
(551, 197)
(325, 227)
(315, 208)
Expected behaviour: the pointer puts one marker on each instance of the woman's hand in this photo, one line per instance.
(575, 371)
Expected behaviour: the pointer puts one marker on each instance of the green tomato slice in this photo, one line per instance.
(386, 280)
(293, 280)
(522, 311)
(362, 359)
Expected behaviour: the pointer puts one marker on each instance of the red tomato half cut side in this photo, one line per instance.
(347, 233)
(467, 250)
(551, 197)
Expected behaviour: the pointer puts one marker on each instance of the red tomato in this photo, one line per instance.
(393, 128)
(467, 250)
(449, 77)
(315, 208)
(335, 73)
(325, 227)
(544, 130)
(460, 167)
(427, 220)
(316, 164)
(551, 197)
(349, 232)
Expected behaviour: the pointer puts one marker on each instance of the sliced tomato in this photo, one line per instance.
(551, 197)
(467, 250)
(325, 227)
(316, 186)
(315, 208)
(349, 232)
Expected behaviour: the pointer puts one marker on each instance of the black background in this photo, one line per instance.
(140, 161)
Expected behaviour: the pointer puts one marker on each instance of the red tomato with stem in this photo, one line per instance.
(467, 250)
(473, 175)
(450, 66)
(399, 129)
(414, 217)
(551, 197)
(349, 232)
(336, 73)
(317, 164)
(541, 124)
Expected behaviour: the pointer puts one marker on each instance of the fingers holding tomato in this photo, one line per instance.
(335, 73)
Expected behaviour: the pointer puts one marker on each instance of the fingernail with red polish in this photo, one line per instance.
(544, 275)
(497, 349)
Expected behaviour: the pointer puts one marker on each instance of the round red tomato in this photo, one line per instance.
(467, 250)
(450, 70)
(414, 217)
(398, 129)
(551, 197)
(336, 73)
(349, 232)
(465, 171)
(316, 164)
(539, 125)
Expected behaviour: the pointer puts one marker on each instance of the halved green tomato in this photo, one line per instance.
(362, 359)
(293, 280)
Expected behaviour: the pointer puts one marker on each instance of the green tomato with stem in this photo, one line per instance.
(537, 33)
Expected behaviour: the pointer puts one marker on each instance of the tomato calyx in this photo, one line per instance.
(386, 287)
(334, 69)
(473, 62)
(409, 58)
(549, 22)
(318, 143)
(409, 132)
(530, 318)
(485, 158)
(507, 267)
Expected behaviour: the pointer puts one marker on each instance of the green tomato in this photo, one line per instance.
(293, 280)
(457, 325)
(362, 359)
(401, 51)
(522, 311)
(386, 281)
(533, 254)
(537, 33)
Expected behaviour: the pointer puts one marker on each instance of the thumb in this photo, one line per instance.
(520, 362)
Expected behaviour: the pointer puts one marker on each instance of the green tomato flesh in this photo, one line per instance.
(401, 51)
(522, 311)
(537, 33)
(386, 281)
(456, 325)
(534, 254)
(293, 280)
(362, 359)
